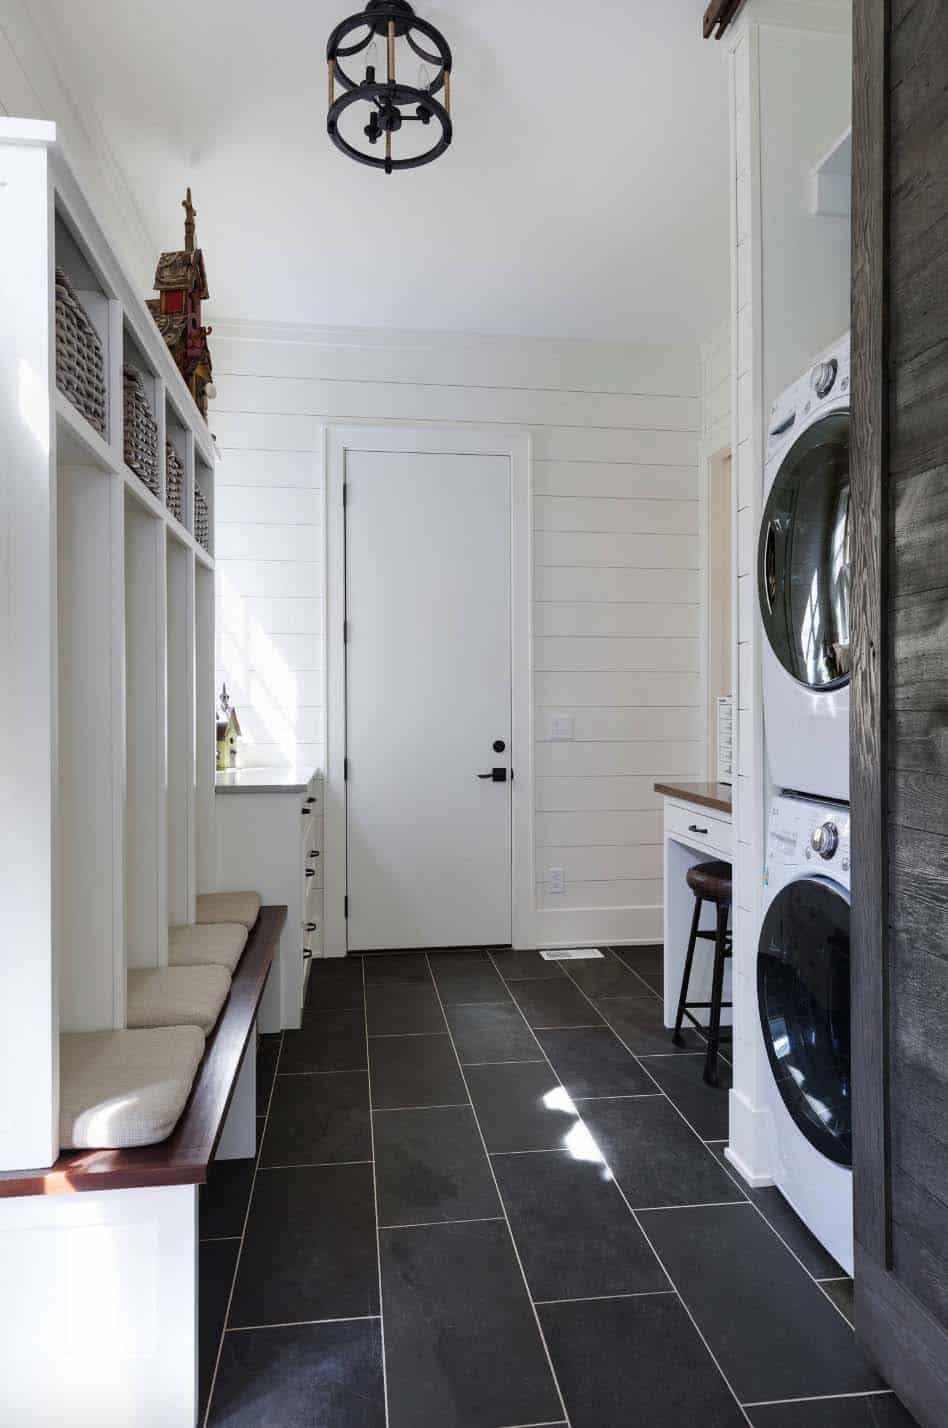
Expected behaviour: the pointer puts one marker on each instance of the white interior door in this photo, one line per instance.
(428, 693)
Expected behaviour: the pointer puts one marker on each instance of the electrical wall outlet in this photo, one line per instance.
(562, 726)
(556, 880)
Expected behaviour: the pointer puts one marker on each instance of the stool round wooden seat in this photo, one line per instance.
(710, 882)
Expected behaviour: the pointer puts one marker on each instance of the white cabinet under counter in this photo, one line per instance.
(698, 829)
(269, 825)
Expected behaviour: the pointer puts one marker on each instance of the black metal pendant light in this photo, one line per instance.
(390, 103)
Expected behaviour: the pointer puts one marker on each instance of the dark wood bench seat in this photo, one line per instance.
(183, 1158)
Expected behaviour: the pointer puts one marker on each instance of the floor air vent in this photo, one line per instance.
(571, 954)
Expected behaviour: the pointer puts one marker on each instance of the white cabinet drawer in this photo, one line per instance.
(700, 826)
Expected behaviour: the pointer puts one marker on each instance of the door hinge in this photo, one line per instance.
(345, 906)
(345, 632)
(345, 494)
(345, 770)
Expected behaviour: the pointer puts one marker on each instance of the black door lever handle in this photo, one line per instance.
(496, 775)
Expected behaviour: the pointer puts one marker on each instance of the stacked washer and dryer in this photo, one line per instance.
(803, 952)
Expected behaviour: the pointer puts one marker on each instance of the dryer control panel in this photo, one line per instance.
(802, 834)
(825, 383)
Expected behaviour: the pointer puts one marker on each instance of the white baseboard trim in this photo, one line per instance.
(593, 926)
(749, 1145)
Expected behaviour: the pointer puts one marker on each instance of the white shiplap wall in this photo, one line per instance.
(618, 582)
(716, 367)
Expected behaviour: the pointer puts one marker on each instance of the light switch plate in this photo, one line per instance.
(556, 878)
(562, 726)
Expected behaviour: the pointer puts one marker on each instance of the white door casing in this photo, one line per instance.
(436, 857)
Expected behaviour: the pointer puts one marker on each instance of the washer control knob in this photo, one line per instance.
(825, 840)
(823, 377)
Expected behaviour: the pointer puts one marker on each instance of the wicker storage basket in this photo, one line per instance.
(174, 482)
(141, 430)
(202, 525)
(80, 366)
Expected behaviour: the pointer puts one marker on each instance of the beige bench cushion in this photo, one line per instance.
(217, 944)
(176, 996)
(229, 907)
(120, 1089)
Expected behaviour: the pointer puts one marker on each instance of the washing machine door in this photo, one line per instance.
(803, 556)
(803, 996)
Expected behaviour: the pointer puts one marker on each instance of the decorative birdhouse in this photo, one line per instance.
(182, 286)
(228, 732)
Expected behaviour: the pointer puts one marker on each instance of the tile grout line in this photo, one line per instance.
(305, 1323)
(375, 1189)
(537, 1150)
(500, 1198)
(399, 1035)
(313, 1165)
(698, 1205)
(823, 1398)
(527, 1061)
(748, 1199)
(547, 1423)
(442, 1106)
(243, 1232)
(630, 1096)
(436, 1224)
(599, 1298)
(651, 1246)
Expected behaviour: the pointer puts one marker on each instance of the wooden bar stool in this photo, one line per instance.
(710, 882)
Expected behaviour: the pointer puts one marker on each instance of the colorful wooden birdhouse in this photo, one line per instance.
(181, 281)
(228, 732)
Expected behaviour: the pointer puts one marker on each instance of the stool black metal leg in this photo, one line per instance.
(717, 994)
(686, 974)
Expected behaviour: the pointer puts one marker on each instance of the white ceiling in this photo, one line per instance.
(585, 194)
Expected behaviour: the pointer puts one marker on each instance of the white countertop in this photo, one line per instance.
(262, 780)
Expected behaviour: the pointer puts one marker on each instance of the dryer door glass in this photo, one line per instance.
(803, 995)
(803, 556)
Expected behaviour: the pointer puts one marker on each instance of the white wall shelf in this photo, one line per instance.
(107, 648)
(831, 179)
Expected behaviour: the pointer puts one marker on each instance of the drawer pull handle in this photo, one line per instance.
(693, 828)
(309, 926)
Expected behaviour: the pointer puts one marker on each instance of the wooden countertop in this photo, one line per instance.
(708, 795)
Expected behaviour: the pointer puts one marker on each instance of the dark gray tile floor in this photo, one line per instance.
(489, 1194)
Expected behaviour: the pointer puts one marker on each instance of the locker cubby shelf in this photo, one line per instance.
(109, 725)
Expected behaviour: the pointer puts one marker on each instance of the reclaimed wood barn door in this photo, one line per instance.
(899, 770)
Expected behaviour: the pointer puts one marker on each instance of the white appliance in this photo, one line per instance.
(804, 1014)
(803, 581)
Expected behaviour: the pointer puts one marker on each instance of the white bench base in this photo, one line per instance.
(99, 1321)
